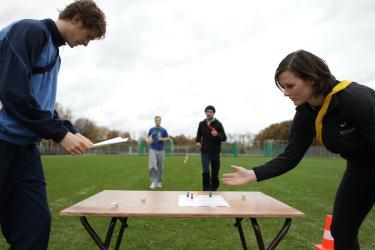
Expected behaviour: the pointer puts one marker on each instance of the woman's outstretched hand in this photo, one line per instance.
(241, 176)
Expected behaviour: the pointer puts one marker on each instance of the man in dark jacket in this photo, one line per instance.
(209, 137)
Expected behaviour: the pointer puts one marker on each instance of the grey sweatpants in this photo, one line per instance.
(156, 165)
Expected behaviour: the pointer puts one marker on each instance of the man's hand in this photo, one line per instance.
(241, 176)
(214, 132)
(198, 145)
(75, 144)
(148, 139)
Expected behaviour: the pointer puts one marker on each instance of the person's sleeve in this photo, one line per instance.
(199, 134)
(360, 106)
(221, 136)
(149, 132)
(299, 141)
(21, 46)
(66, 123)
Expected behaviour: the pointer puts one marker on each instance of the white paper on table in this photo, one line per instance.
(110, 142)
(202, 201)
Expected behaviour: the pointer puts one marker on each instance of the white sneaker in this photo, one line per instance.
(153, 185)
(159, 185)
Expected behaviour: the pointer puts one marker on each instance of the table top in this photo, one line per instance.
(124, 203)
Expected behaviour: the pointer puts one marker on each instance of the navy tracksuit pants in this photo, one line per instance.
(25, 218)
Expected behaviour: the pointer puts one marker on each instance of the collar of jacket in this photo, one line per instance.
(57, 38)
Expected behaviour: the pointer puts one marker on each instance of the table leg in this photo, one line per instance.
(276, 240)
(124, 225)
(258, 233)
(105, 245)
(281, 234)
(240, 231)
(111, 228)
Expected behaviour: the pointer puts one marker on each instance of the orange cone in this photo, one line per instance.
(186, 159)
(327, 243)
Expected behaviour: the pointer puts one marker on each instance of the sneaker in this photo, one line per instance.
(159, 185)
(153, 185)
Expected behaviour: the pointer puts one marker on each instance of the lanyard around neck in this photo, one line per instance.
(323, 110)
(155, 132)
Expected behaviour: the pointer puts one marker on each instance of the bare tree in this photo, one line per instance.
(65, 114)
(277, 131)
(113, 134)
(87, 128)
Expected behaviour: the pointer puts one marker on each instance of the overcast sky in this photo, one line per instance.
(174, 57)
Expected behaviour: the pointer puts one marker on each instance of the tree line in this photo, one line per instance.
(88, 128)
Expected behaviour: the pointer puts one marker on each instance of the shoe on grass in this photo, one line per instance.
(153, 185)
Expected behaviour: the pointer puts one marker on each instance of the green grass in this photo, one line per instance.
(310, 188)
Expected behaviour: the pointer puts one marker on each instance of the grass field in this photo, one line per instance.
(310, 188)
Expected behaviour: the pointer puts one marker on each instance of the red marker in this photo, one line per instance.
(212, 128)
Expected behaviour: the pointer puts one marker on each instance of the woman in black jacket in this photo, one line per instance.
(340, 115)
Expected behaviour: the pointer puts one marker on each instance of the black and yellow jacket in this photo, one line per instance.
(348, 130)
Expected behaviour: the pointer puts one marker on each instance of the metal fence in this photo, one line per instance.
(270, 149)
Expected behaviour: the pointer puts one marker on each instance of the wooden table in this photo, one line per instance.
(121, 204)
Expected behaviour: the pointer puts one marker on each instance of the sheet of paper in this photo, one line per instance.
(202, 201)
(110, 142)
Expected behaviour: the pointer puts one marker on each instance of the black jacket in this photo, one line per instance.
(210, 144)
(348, 129)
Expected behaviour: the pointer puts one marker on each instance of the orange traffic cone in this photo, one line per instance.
(327, 243)
(186, 159)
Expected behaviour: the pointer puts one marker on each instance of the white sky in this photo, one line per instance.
(174, 57)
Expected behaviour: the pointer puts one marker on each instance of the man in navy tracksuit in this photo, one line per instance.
(156, 137)
(210, 134)
(29, 65)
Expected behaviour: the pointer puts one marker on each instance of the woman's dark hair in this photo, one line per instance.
(308, 67)
(90, 15)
